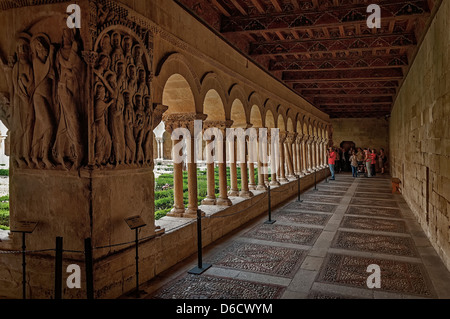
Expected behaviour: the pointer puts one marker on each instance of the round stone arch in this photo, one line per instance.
(238, 114)
(269, 105)
(213, 97)
(175, 64)
(256, 119)
(237, 92)
(281, 123)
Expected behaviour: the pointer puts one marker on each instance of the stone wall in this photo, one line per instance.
(420, 134)
(114, 273)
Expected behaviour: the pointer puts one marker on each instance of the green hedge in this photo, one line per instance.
(164, 199)
(4, 172)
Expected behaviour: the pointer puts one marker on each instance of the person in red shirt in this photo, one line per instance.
(332, 162)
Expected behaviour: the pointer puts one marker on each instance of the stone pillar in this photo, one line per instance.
(234, 191)
(210, 174)
(262, 154)
(299, 155)
(178, 206)
(289, 155)
(304, 156)
(273, 162)
(283, 157)
(242, 147)
(223, 199)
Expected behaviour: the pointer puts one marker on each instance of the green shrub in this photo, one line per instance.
(164, 203)
(161, 213)
(4, 172)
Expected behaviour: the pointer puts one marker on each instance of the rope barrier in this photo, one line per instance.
(13, 252)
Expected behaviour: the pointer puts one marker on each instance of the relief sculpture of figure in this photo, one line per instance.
(116, 122)
(101, 134)
(132, 79)
(117, 53)
(148, 132)
(69, 66)
(23, 113)
(127, 43)
(44, 76)
(142, 83)
(130, 150)
(139, 128)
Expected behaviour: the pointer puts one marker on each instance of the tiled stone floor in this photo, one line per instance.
(318, 249)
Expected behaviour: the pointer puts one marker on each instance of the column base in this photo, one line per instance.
(176, 212)
(275, 183)
(224, 202)
(209, 201)
(246, 194)
(252, 187)
(261, 188)
(233, 193)
(192, 213)
(292, 178)
(283, 180)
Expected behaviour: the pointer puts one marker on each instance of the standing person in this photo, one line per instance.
(368, 161)
(360, 159)
(337, 160)
(382, 160)
(373, 162)
(354, 164)
(332, 162)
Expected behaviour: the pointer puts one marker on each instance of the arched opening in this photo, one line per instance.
(171, 194)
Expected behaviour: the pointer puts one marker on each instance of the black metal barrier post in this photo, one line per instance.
(270, 221)
(24, 268)
(299, 200)
(201, 268)
(135, 223)
(89, 268)
(24, 227)
(315, 181)
(58, 268)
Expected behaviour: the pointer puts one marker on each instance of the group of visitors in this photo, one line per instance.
(360, 161)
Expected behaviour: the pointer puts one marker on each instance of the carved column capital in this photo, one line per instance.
(90, 57)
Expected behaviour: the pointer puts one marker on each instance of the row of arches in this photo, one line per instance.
(188, 97)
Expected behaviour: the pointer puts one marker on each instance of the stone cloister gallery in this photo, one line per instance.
(82, 107)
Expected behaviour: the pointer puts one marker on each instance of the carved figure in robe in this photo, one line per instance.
(105, 45)
(117, 53)
(101, 133)
(142, 83)
(102, 64)
(130, 150)
(23, 112)
(43, 97)
(69, 66)
(148, 132)
(139, 127)
(116, 119)
(121, 76)
(132, 79)
(137, 56)
(127, 44)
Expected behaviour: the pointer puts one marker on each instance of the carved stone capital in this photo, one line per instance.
(90, 57)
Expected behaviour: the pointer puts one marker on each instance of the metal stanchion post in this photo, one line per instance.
(138, 295)
(201, 267)
(24, 227)
(299, 200)
(135, 223)
(58, 268)
(89, 268)
(270, 221)
(315, 181)
(24, 268)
